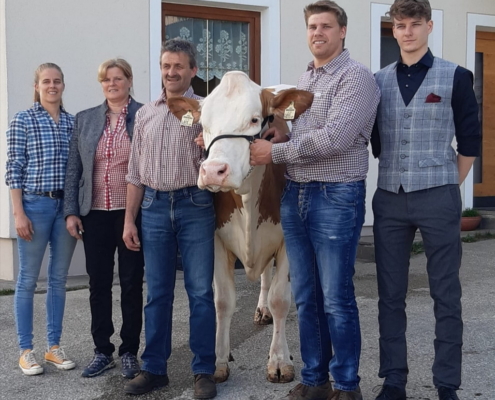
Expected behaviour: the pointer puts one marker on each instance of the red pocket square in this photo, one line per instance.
(433, 98)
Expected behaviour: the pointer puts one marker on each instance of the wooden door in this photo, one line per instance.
(485, 44)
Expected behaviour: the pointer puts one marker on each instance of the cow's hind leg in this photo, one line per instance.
(225, 306)
(280, 368)
(263, 316)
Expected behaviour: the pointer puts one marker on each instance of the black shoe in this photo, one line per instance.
(130, 365)
(446, 394)
(390, 392)
(145, 382)
(204, 386)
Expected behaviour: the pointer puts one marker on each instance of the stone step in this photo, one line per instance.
(487, 219)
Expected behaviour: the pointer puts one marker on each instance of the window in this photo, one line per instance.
(390, 50)
(225, 40)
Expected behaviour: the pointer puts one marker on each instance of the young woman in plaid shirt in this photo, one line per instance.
(37, 151)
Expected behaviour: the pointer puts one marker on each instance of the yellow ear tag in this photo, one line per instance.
(187, 119)
(290, 112)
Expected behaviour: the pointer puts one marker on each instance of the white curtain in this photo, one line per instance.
(222, 46)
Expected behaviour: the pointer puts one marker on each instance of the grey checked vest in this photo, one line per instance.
(416, 140)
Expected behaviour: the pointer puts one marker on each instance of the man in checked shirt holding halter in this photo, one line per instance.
(322, 207)
(163, 171)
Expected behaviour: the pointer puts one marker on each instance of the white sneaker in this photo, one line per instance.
(28, 364)
(56, 356)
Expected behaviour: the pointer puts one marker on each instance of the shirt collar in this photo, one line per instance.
(333, 65)
(163, 97)
(426, 60)
(38, 107)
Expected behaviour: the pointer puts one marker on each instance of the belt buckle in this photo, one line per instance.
(52, 195)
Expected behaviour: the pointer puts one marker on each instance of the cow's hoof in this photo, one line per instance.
(263, 316)
(222, 373)
(283, 375)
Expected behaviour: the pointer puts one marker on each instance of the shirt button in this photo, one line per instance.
(409, 75)
(402, 170)
(404, 142)
(407, 85)
(406, 115)
(402, 156)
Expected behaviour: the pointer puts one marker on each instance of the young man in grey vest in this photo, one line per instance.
(425, 103)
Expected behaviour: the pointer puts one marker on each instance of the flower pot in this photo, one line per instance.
(470, 223)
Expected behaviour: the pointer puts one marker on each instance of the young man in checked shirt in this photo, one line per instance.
(322, 207)
(163, 171)
(426, 101)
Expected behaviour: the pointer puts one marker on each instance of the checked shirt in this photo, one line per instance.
(329, 141)
(37, 150)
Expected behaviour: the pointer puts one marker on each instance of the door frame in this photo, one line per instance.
(474, 23)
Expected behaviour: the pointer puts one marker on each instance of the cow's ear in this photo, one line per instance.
(181, 105)
(266, 98)
(301, 98)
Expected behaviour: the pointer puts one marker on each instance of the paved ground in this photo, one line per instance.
(250, 343)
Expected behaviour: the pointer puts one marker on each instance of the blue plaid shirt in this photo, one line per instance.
(37, 150)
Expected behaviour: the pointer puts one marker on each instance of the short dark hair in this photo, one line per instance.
(410, 9)
(180, 46)
(322, 6)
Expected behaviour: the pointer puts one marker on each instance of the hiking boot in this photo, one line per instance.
(130, 365)
(346, 394)
(100, 363)
(204, 386)
(447, 394)
(390, 392)
(145, 382)
(55, 355)
(304, 392)
(28, 363)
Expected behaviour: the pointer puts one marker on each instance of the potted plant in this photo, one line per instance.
(470, 220)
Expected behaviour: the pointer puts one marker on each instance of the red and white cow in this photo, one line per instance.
(247, 205)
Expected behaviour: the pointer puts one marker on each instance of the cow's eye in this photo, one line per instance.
(254, 120)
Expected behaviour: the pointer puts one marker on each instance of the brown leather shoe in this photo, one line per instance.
(204, 386)
(304, 392)
(145, 382)
(346, 395)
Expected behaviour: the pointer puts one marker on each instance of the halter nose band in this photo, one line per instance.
(249, 138)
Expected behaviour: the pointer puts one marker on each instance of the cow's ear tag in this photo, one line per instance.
(187, 119)
(290, 112)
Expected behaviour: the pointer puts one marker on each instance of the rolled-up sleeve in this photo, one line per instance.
(133, 175)
(16, 151)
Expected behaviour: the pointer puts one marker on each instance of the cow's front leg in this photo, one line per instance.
(225, 306)
(280, 368)
(263, 316)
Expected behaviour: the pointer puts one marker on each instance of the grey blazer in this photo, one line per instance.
(88, 128)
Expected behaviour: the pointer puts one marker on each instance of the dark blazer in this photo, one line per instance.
(88, 128)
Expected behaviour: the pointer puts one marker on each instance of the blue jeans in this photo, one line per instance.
(48, 221)
(322, 224)
(183, 219)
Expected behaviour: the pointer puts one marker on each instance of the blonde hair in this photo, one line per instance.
(37, 73)
(112, 63)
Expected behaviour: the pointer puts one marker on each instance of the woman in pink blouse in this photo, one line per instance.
(95, 200)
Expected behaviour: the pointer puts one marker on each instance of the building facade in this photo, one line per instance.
(264, 37)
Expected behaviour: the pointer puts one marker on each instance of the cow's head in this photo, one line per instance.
(236, 107)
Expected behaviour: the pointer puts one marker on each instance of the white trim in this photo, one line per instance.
(473, 22)
(378, 11)
(270, 37)
(155, 47)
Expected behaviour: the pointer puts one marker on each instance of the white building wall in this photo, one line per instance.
(80, 35)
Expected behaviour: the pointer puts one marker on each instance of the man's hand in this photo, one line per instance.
(275, 135)
(200, 141)
(24, 227)
(74, 226)
(130, 237)
(261, 152)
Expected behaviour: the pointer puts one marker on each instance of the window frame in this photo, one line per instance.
(224, 14)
